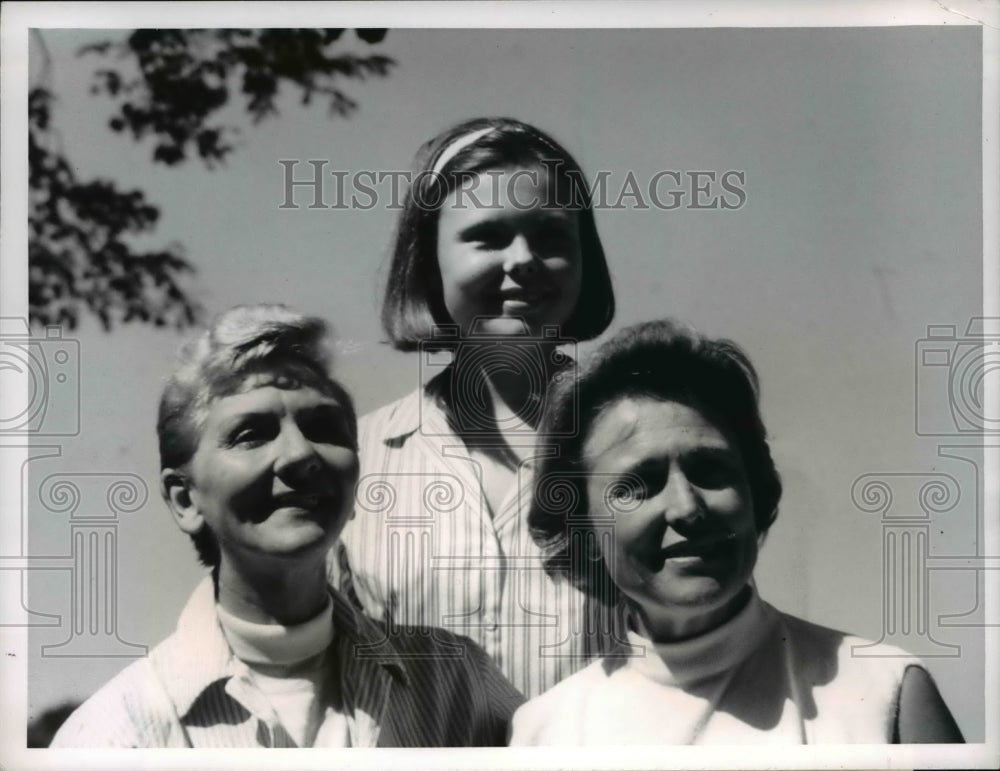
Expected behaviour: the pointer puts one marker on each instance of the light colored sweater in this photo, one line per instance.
(763, 677)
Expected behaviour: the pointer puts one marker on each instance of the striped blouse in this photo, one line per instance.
(415, 688)
(424, 549)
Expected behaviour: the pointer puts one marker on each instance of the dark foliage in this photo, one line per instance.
(184, 77)
(78, 255)
(43, 728)
(169, 85)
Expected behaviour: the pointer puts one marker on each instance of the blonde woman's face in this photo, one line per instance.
(274, 471)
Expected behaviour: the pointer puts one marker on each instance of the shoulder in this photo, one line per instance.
(868, 690)
(381, 422)
(428, 652)
(434, 658)
(534, 723)
(827, 654)
(843, 643)
(452, 695)
(123, 713)
(138, 707)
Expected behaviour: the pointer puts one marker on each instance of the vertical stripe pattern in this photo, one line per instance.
(424, 550)
(408, 688)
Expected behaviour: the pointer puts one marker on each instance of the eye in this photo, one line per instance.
(252, 432)
(493, 240)
(488, 236)
(554, 236)
(626, 493)
(623, 493)
(327, 426)
(712, 471)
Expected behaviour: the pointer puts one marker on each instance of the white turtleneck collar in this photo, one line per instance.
(717, 650)
(274, 644)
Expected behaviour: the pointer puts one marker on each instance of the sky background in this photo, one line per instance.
(862, 226)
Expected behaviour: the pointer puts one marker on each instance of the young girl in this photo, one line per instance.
(497, 268)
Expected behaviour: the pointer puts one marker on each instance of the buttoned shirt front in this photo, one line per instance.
(410, 688)
(423, 548)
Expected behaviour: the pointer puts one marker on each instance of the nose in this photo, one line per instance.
(681, 502)
(518, 257)
(297, 457)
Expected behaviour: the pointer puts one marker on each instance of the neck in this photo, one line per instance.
(515, 391)
(673, 626)
(280, 595)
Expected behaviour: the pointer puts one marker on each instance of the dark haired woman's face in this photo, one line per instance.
(685, 541)
(508, 255)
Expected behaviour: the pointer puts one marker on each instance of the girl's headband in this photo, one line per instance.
(459, 144)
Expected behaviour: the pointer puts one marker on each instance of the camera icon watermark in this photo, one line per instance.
(41, 381)
(546, 360)
(951, 375)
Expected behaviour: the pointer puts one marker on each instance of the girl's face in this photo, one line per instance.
(509, 255)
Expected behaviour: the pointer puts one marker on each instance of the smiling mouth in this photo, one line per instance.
(524, 296)
(308, 501)
(697, 551)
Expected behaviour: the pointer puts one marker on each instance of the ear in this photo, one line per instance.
(175, 487)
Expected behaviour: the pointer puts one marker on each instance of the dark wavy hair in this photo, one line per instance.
(413, 303)
(248, 341)
(661, 360)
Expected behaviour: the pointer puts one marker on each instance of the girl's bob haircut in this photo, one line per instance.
(413, 304)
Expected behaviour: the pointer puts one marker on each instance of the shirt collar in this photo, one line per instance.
(369, 639)
(417, 411)
(198, 655)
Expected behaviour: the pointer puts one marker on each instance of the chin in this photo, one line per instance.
(502, 326)
(706, 595)
(303, 544)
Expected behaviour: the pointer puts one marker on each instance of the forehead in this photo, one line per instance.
(262, 395)
(632, 427)
(520, 189)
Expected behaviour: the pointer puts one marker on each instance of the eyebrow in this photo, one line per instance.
(333, 409)
(483, 227)
(502, 219)
(227, 422)
(695, 453)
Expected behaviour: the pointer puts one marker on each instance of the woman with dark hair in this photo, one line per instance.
(659, 502)
(258, 449)
(497, 267)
